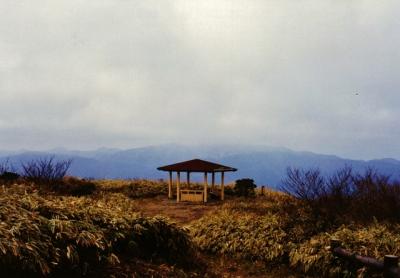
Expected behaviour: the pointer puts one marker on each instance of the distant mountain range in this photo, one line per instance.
(266, 165)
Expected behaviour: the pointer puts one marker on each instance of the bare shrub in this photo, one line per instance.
(6, 166)
(376, 195)
(307, 185)
(341, 183)
(345, 196)
(45, 170)
(338, 195)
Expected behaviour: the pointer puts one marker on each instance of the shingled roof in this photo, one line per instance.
(196, 165)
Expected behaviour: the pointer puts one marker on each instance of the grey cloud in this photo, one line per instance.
(127, 73)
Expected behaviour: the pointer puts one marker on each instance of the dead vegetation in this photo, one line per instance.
(130, 227)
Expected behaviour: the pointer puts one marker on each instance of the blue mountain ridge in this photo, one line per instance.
(266, 165)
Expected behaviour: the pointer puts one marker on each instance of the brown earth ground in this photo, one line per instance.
(184, 212)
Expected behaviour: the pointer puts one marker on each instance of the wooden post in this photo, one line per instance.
(262, 190)
(389, 263)
(222, 186)
(213, 180)
(205, 187)
(188, 178)
(178, 187)
(170, 185)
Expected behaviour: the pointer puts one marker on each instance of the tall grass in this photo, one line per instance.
(46, 235)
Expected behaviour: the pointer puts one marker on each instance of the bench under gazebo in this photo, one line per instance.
(195, 166)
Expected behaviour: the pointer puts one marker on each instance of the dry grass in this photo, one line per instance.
(95, 219)
(65, 235)
(257, 237)
(187, 214)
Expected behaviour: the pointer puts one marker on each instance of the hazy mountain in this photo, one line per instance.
(266, 165)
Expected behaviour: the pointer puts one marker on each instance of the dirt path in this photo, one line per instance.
(183, 213)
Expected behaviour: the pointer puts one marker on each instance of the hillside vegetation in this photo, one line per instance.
(45, 234)
(129, 227)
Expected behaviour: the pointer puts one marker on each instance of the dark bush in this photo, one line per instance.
(5, 166)
(327, 197)
(244, 188)
(7, 172)
(75, 187)
(229, 190)
(376, 195)
(345, 196)
(45, 171)
(9, 177)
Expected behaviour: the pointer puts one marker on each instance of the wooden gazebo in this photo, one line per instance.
(195, 166)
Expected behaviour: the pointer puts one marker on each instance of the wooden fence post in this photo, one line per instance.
(389, 263)
(262, 190)
(389, 266)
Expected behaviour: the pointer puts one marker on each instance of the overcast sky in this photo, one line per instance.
(315, 75)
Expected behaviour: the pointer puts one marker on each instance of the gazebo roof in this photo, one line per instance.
(196, 165)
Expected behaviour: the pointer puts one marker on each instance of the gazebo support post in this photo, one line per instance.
(188, 179)
(170, 185)
(213, 180)
(195, 166)
(205, 187)
(222, 186)
(178, 187)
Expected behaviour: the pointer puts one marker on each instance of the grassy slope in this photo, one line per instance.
(56, 235)
(269, 236)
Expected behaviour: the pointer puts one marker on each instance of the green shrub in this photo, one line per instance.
(244, 188)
